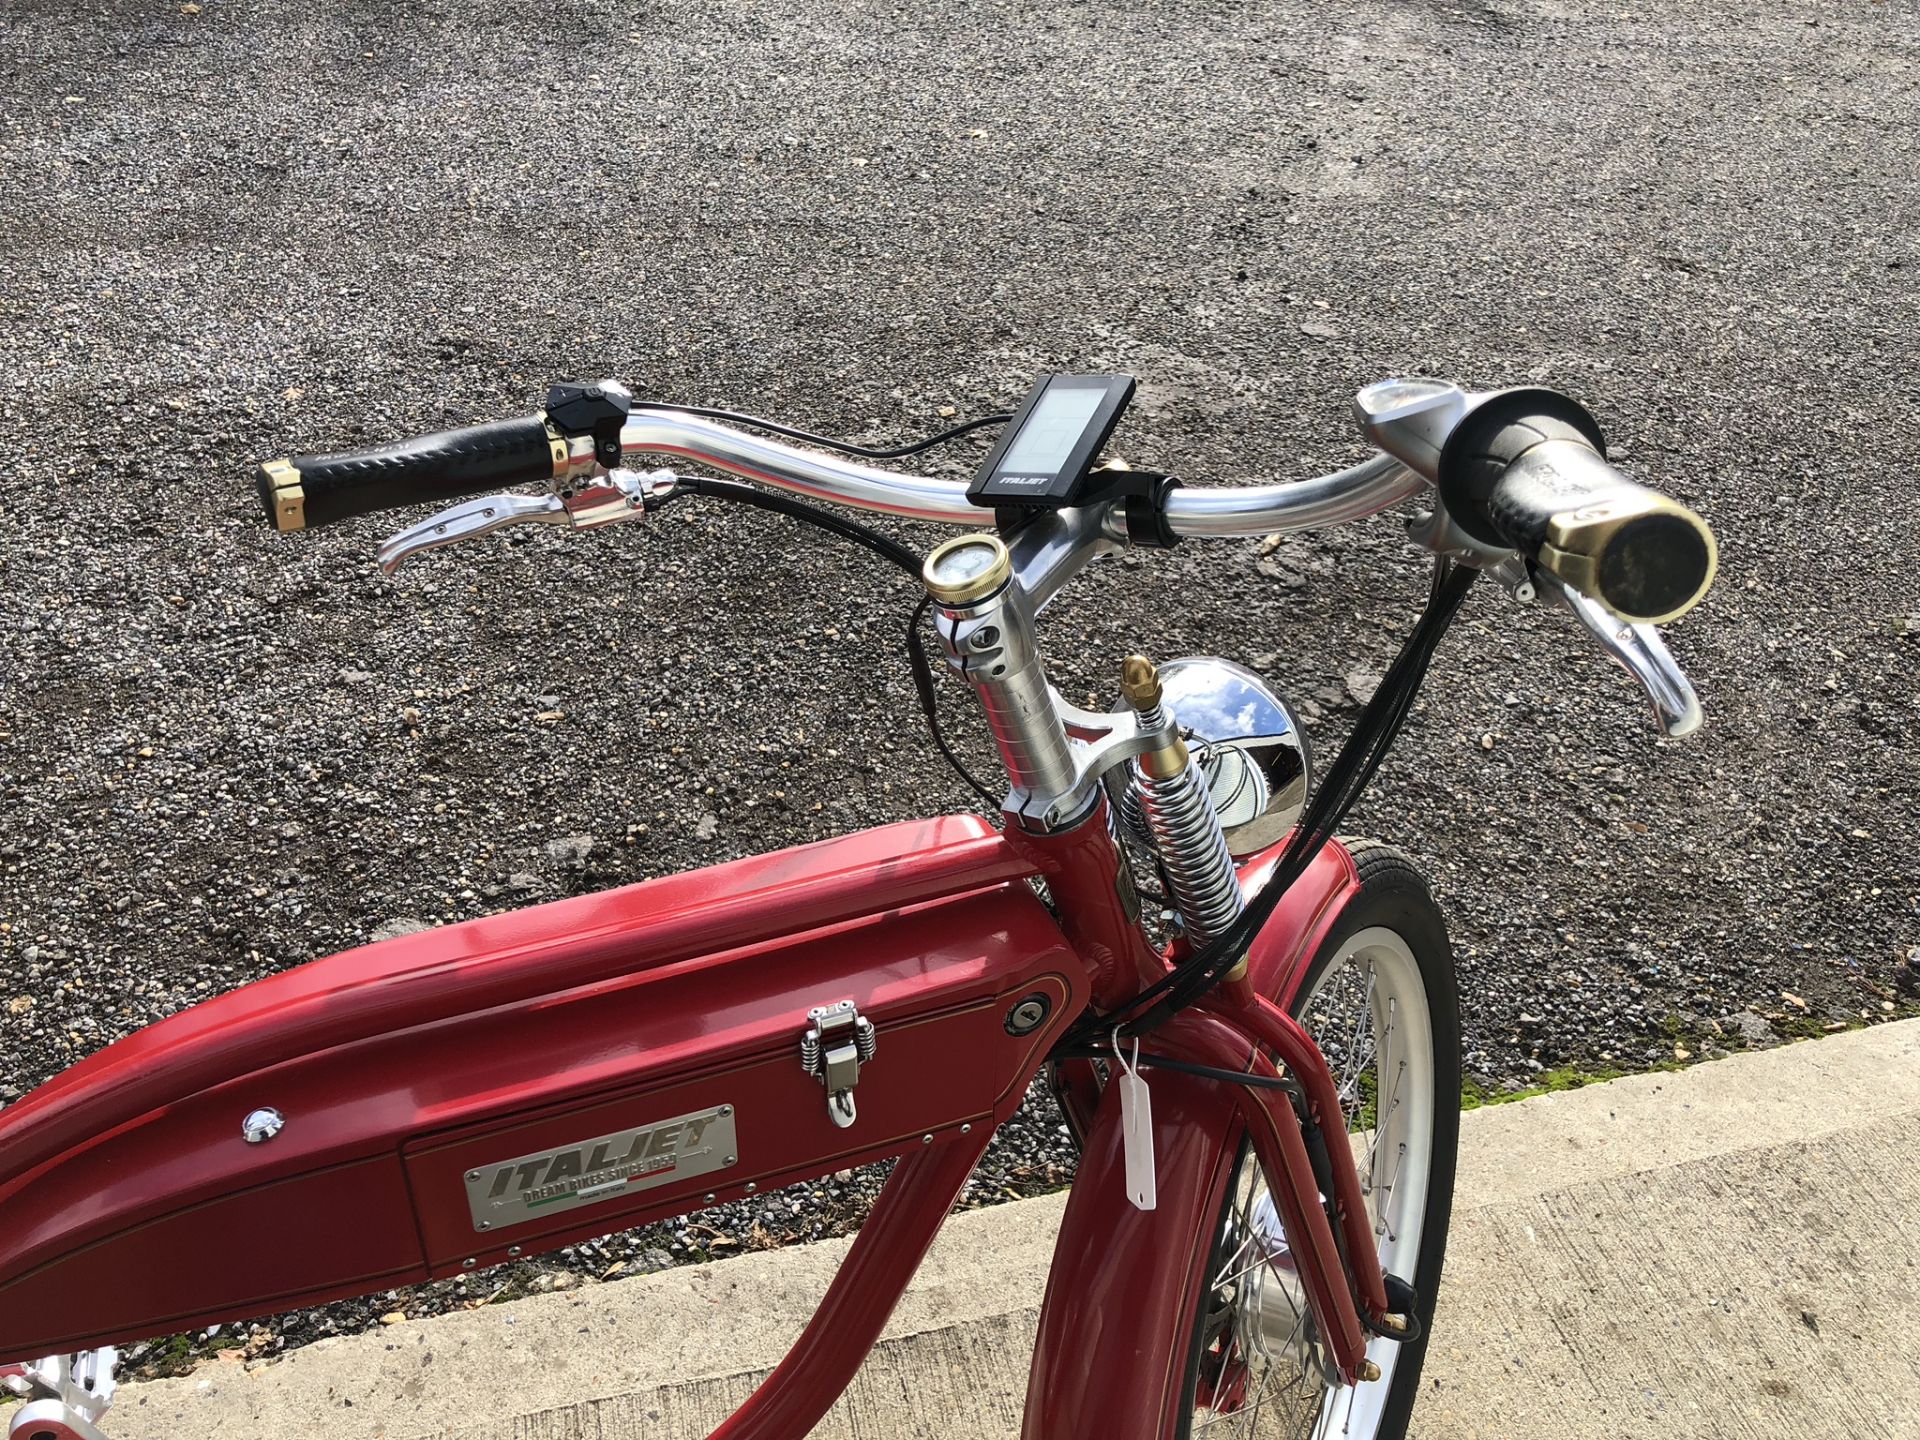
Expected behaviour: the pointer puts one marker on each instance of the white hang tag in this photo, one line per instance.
(1136, 1130)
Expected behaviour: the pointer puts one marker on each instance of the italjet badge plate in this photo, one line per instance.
(510, 1192)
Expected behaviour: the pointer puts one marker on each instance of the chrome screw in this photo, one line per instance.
(262, 1125)
(513, 1250)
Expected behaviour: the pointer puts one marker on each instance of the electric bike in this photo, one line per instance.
(1259, 1060)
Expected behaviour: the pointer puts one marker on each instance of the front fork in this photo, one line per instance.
(1126, 1289)
(1306, 1159)
(1316, 1187)
(1347, 1308)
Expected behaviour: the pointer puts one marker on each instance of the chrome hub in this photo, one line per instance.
(1271, 1315)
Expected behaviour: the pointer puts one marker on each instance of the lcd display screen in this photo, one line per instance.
(1051, 431)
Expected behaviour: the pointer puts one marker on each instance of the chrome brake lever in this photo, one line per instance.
(600, 500)
(1639, 650)
(468, 519)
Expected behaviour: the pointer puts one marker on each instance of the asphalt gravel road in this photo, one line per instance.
(230, 231)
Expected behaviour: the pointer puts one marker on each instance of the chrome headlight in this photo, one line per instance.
(1247, 743)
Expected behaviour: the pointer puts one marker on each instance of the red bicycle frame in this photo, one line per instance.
(452, 1099)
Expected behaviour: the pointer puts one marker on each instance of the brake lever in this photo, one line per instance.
(1639, 650)
(602, 500)
(468, 519)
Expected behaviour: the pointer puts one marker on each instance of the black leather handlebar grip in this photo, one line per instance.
(1527, 470)
(312, 490)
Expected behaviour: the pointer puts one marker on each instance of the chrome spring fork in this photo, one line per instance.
(1176, 805)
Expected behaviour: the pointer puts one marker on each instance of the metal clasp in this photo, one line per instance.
(837, 1043)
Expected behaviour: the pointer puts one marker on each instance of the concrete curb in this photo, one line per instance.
(1716, 1250)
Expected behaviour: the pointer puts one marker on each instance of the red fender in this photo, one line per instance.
(1110, 1357)
(1277, 961)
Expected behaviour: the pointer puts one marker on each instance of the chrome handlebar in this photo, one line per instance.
(1350, 494)
(1406, 420)
(813, 473)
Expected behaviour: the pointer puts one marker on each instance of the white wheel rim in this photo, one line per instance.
(1368, 1011)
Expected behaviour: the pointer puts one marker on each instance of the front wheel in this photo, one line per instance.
(1378, 998)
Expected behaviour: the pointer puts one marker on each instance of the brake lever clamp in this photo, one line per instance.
(587, 504)
(1439, 532)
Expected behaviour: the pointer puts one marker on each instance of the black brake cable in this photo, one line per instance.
(922, 670)
(882, 545)
(845, 447)
(1347, 778)
(1366, 746)
(885, 546)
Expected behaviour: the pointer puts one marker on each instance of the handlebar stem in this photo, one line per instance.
(1056, 545)
(991, 644)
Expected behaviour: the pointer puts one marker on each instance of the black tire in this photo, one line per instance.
(1392, 897)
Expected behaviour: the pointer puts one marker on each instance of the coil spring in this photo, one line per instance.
(1177, 812)
(866, 1040)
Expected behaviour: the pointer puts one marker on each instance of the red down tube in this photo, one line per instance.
(889, 1248)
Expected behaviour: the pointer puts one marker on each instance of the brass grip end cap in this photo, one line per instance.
(558, 450)
(1648, 559)
(284, 495)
